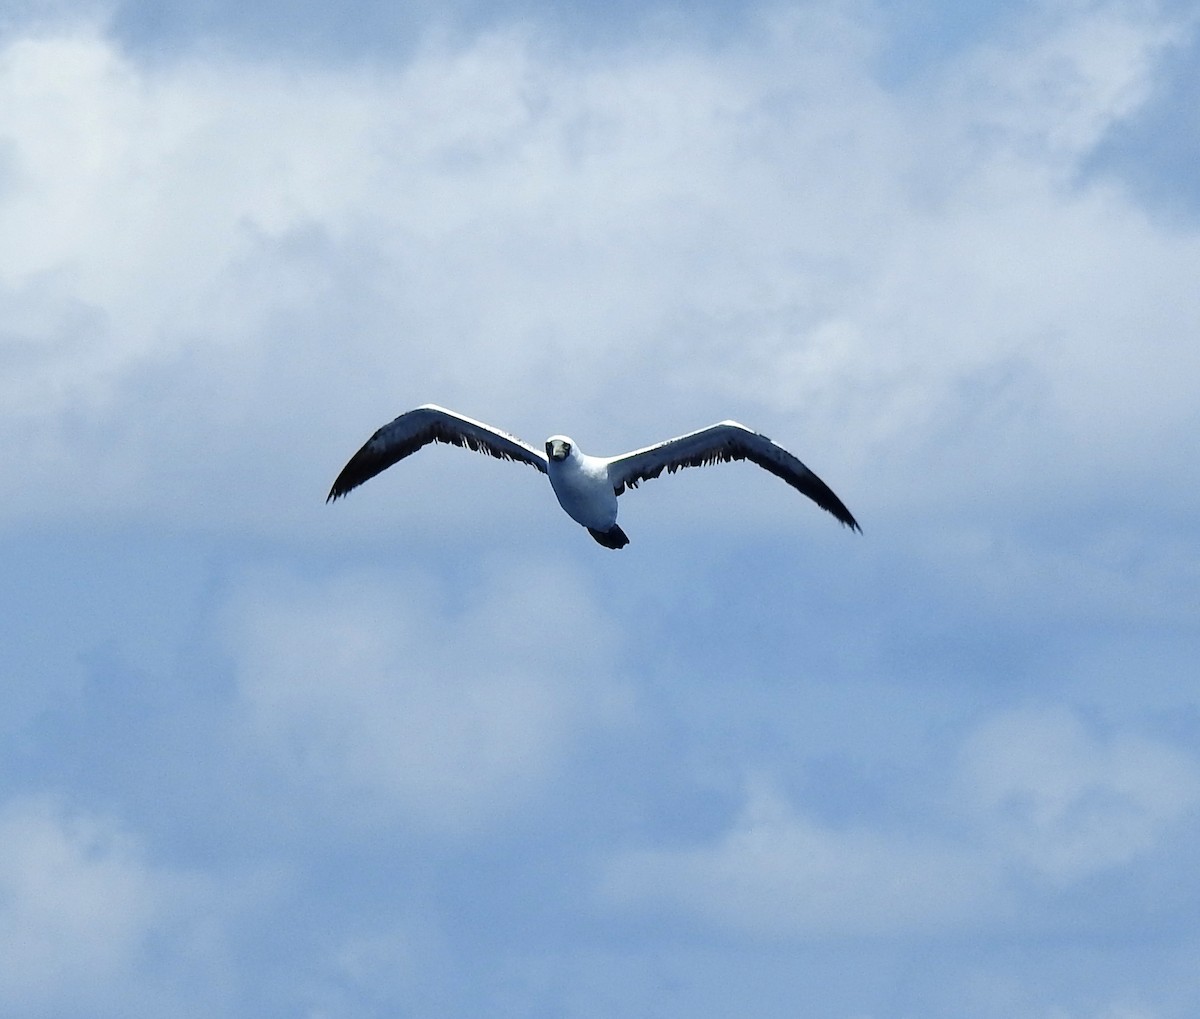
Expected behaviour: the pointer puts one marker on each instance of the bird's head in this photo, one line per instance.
(558, 447)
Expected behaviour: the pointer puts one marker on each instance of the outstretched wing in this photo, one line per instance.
(720, 443)
(429, 423)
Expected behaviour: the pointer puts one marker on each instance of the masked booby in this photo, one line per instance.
(586, 486)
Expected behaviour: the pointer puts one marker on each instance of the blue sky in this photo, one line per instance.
(431, 751)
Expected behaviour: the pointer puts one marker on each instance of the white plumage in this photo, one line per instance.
(586, 486)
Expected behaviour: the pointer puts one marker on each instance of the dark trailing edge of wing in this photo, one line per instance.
(385, 447)
(798, 476)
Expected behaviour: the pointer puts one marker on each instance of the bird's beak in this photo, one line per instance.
(557, 449)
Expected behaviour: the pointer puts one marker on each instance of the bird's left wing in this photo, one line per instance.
(720, 443)
(417, 428)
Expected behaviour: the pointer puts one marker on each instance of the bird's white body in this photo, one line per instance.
(586, 486)
(582, 486)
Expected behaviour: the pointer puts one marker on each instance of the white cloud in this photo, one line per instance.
(408, 961)
(1036, 796)
(776, 872)
(212, 264)
(1052, 795)
(1065, 75)
(80, 906)
(381, 701)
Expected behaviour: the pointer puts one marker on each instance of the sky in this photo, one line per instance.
(430, 751)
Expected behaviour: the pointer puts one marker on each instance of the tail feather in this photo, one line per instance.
(614, 537)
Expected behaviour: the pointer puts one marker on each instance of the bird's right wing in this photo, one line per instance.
(429, 423)
(719, 443)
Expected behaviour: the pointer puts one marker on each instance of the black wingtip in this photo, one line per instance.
(340, 488)
(846, 519)
(363, 466)
(844, 516)
(823, 496)
(345, 483)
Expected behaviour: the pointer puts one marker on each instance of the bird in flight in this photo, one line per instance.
(586, 486)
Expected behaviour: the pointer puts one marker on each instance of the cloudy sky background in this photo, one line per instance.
(431, 751)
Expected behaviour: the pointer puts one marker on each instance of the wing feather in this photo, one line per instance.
(429, 423)
(721, 443)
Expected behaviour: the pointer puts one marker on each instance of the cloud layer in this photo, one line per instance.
(764, 226)
(382, 700)
(1038, 803)
(426, 751)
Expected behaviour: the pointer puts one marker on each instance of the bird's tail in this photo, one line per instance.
(614, 537)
